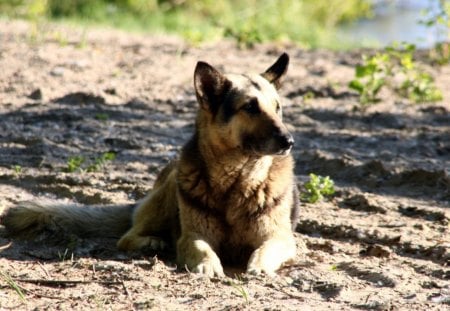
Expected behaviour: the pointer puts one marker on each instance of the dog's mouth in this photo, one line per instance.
(284, 152)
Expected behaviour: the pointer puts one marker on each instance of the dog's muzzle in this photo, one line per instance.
(285, 142)
(279, 142)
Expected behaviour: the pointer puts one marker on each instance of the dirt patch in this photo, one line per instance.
(382, 243)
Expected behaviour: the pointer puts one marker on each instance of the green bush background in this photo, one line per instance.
(306, 22)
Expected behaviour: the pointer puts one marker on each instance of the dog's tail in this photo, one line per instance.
(29, 219)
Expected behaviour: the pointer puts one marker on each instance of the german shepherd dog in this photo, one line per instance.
(229, 198)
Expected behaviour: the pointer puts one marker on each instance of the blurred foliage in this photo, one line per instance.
(435, 18)
(396, 69)
(309, 23)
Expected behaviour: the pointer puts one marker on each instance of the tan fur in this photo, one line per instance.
(230, 197)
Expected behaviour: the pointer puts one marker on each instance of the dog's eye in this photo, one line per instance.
(251, 107)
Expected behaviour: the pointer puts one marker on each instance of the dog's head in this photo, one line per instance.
(243, 111)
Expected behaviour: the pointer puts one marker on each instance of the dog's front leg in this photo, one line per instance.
(196, 254)
(272, 254)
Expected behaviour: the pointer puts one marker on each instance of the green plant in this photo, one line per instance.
(101, 161)
(101, 116)
(419, 87)
(82, 43)
(308, 96)
(416, 84)
(394, 68)
(17, 169)
(60, 37)
(440, 20)
(11, 283)
(370, 77)
(239, 287)
(317, 188)
(74, 164)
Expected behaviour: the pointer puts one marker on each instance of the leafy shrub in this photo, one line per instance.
(317, 188)
(439, 19)
(394, 68)
(370, 77)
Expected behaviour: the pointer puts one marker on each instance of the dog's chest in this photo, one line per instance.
(240, 184)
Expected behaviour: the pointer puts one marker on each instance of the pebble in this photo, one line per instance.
(36, 94)
(58, 71)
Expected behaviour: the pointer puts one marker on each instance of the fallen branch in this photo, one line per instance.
(66, 282)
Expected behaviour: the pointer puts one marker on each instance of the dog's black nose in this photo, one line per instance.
(286, 141)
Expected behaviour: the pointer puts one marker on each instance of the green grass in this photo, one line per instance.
(307, 23)
(13, 285)
(241, 291)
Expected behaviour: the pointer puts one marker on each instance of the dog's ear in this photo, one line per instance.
(210, 86)
(277, 70)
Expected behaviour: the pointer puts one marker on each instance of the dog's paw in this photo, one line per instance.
(255, 270)
(197, 255)
(156, 244)
(130, 243)
(210, 267)
(262, 264)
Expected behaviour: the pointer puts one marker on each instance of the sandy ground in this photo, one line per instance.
(381, 243)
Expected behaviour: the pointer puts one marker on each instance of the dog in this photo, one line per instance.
(229, 198)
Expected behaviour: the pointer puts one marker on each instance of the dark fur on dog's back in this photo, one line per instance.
(231, 195)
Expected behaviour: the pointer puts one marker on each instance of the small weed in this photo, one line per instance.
(101, 161)
(239, 287)
(370, 77)
(17, 169)
(394, 68)
(83, 40)
(76, 163)
(317, 188)
(102, 116)
(308, 96)
(11, 283)
(65, 256)
(60, 37)
(419, 87)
